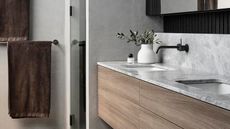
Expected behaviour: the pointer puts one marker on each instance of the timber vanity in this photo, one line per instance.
(151, 97)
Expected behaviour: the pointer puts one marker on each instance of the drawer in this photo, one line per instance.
(118, 97)
(119, 84)
(184, 111)
(149, 120)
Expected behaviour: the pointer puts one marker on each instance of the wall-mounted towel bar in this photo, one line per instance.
(3, 43)
(55, 42)
(80, 43)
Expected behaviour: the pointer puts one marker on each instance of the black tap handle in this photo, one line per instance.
(186, 48)
(181, 41)
(179, 47)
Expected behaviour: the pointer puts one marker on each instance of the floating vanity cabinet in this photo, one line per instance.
(184, 111)
(129, 103)
(118, 99)
(119, 103)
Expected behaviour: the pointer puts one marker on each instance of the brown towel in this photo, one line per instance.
(14, 20)
(29, 79)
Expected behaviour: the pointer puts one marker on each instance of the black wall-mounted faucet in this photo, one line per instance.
(179, 47)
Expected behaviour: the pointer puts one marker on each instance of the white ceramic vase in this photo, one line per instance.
(146, 55)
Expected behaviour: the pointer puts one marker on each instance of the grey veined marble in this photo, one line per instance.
(208, 52)
(210, 88)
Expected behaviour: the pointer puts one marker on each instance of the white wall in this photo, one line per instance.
(47, 23)
(104, 19)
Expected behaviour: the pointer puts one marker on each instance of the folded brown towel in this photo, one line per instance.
(29, 79)
(14, 20)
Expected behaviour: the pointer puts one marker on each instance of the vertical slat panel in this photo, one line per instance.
(228, 23)
(197, 23)
(192, 23)
(202, 23)
(179, 23)
(213, 23)
(185, 24)
(217, 18)
(175, 24)
(210, 29)
(222, 23)
(207, 22)
(225, 23)
(189, 23)
(182, 23)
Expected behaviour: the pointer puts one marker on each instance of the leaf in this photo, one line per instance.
(147, 37)
(132, 33)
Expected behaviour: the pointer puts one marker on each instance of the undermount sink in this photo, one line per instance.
(145, 67)
(213, 86)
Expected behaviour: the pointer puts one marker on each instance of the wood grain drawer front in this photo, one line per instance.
(149, 120)
(184, 111)
(118, 99)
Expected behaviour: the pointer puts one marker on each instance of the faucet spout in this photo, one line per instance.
(164, 47)
(179, 47)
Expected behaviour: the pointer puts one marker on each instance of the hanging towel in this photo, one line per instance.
(29, 79)
(14, 20)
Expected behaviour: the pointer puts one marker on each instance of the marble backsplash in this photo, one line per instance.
(208, 52)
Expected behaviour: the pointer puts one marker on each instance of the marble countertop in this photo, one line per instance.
(167, 79)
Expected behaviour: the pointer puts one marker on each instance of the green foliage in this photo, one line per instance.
(148, 37)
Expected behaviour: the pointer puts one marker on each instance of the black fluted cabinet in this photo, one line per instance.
(153, 7)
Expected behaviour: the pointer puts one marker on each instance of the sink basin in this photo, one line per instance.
(213, 86)
(138, 65)
(145, 67)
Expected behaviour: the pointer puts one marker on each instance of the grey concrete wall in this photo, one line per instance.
(176, 6)
(106, 18)
(47, 23)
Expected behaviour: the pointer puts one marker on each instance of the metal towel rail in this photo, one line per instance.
(55, 42)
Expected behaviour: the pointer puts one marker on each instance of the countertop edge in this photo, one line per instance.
(207, 99)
